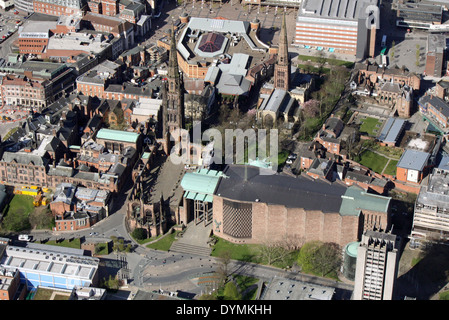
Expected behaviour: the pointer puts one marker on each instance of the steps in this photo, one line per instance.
(181, 247)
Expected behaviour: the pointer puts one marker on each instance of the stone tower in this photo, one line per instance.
(173, 105)
(282, 66)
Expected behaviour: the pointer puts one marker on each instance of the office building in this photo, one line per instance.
(431, 216)
(50, 266)
(376, 267)
(336, 26)
(435, 55)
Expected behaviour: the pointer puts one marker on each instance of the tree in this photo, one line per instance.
(305, 257)
(231, 292)
(278, 251)
(321, 258)
(223, 268)
(41, 218)
(139, 234)
(327, 259)
(311, 108)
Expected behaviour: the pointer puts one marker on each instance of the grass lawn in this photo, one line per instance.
(373, 161)
(75, 243)
(45, 294)
(314, 69)
(164, 243)
(17, 212)
(21, 204)
(335, 62)
(242, 252)
(370, 126)
(391, 168)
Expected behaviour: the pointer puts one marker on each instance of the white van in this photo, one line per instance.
(24, 237)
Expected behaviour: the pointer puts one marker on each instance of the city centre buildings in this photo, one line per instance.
(337, 26)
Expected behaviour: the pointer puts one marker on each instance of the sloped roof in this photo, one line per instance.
(413, 159)
(254, 184)
(356, 199)
(117, 135)
(202, 181)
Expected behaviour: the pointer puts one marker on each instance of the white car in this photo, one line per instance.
(24, 237)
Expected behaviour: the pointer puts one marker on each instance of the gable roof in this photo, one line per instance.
(117, 135)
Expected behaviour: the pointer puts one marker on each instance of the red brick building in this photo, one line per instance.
(59, 7)
(9, 286)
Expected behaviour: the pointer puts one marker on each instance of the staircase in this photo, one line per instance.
(194, 240)
(187, 248)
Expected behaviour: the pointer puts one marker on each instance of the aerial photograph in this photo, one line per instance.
(222, 156)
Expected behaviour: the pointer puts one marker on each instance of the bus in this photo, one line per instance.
(384, 41)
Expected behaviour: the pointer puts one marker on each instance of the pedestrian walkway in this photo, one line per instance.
(194, 240)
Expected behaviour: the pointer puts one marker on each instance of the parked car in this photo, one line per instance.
(24, 237)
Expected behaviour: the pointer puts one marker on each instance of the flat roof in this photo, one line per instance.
(117, 135)
(288, 289)
(338, 10)
(436, 192)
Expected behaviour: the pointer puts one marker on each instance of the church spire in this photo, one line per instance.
(283, 44)
(173, 69)
(282, 66)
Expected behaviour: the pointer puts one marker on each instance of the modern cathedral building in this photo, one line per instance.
(249, 204)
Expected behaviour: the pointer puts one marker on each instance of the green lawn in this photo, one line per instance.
(391, 168)
(373, 161)
(335, 62)
(242, 252)
(164, 243)
(17, 212)
(370, 126)
(75, 243)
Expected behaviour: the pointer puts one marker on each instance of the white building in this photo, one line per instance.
(51, 266)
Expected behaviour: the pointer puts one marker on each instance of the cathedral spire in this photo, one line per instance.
(173, 69)
(283, 44)
(282, 66)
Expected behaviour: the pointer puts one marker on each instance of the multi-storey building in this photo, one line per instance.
(435, 55)
(77, 208)
(336, 25)
(60, 7)
(431, 216)
(436, 109)
(35, 84)
(50, 266)
(110, 24)
(376, 267)
(418, 15)
(24, 6)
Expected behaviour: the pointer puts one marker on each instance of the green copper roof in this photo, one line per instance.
(356, 199)
(117, 135)
(351, 248)
(200, 185)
